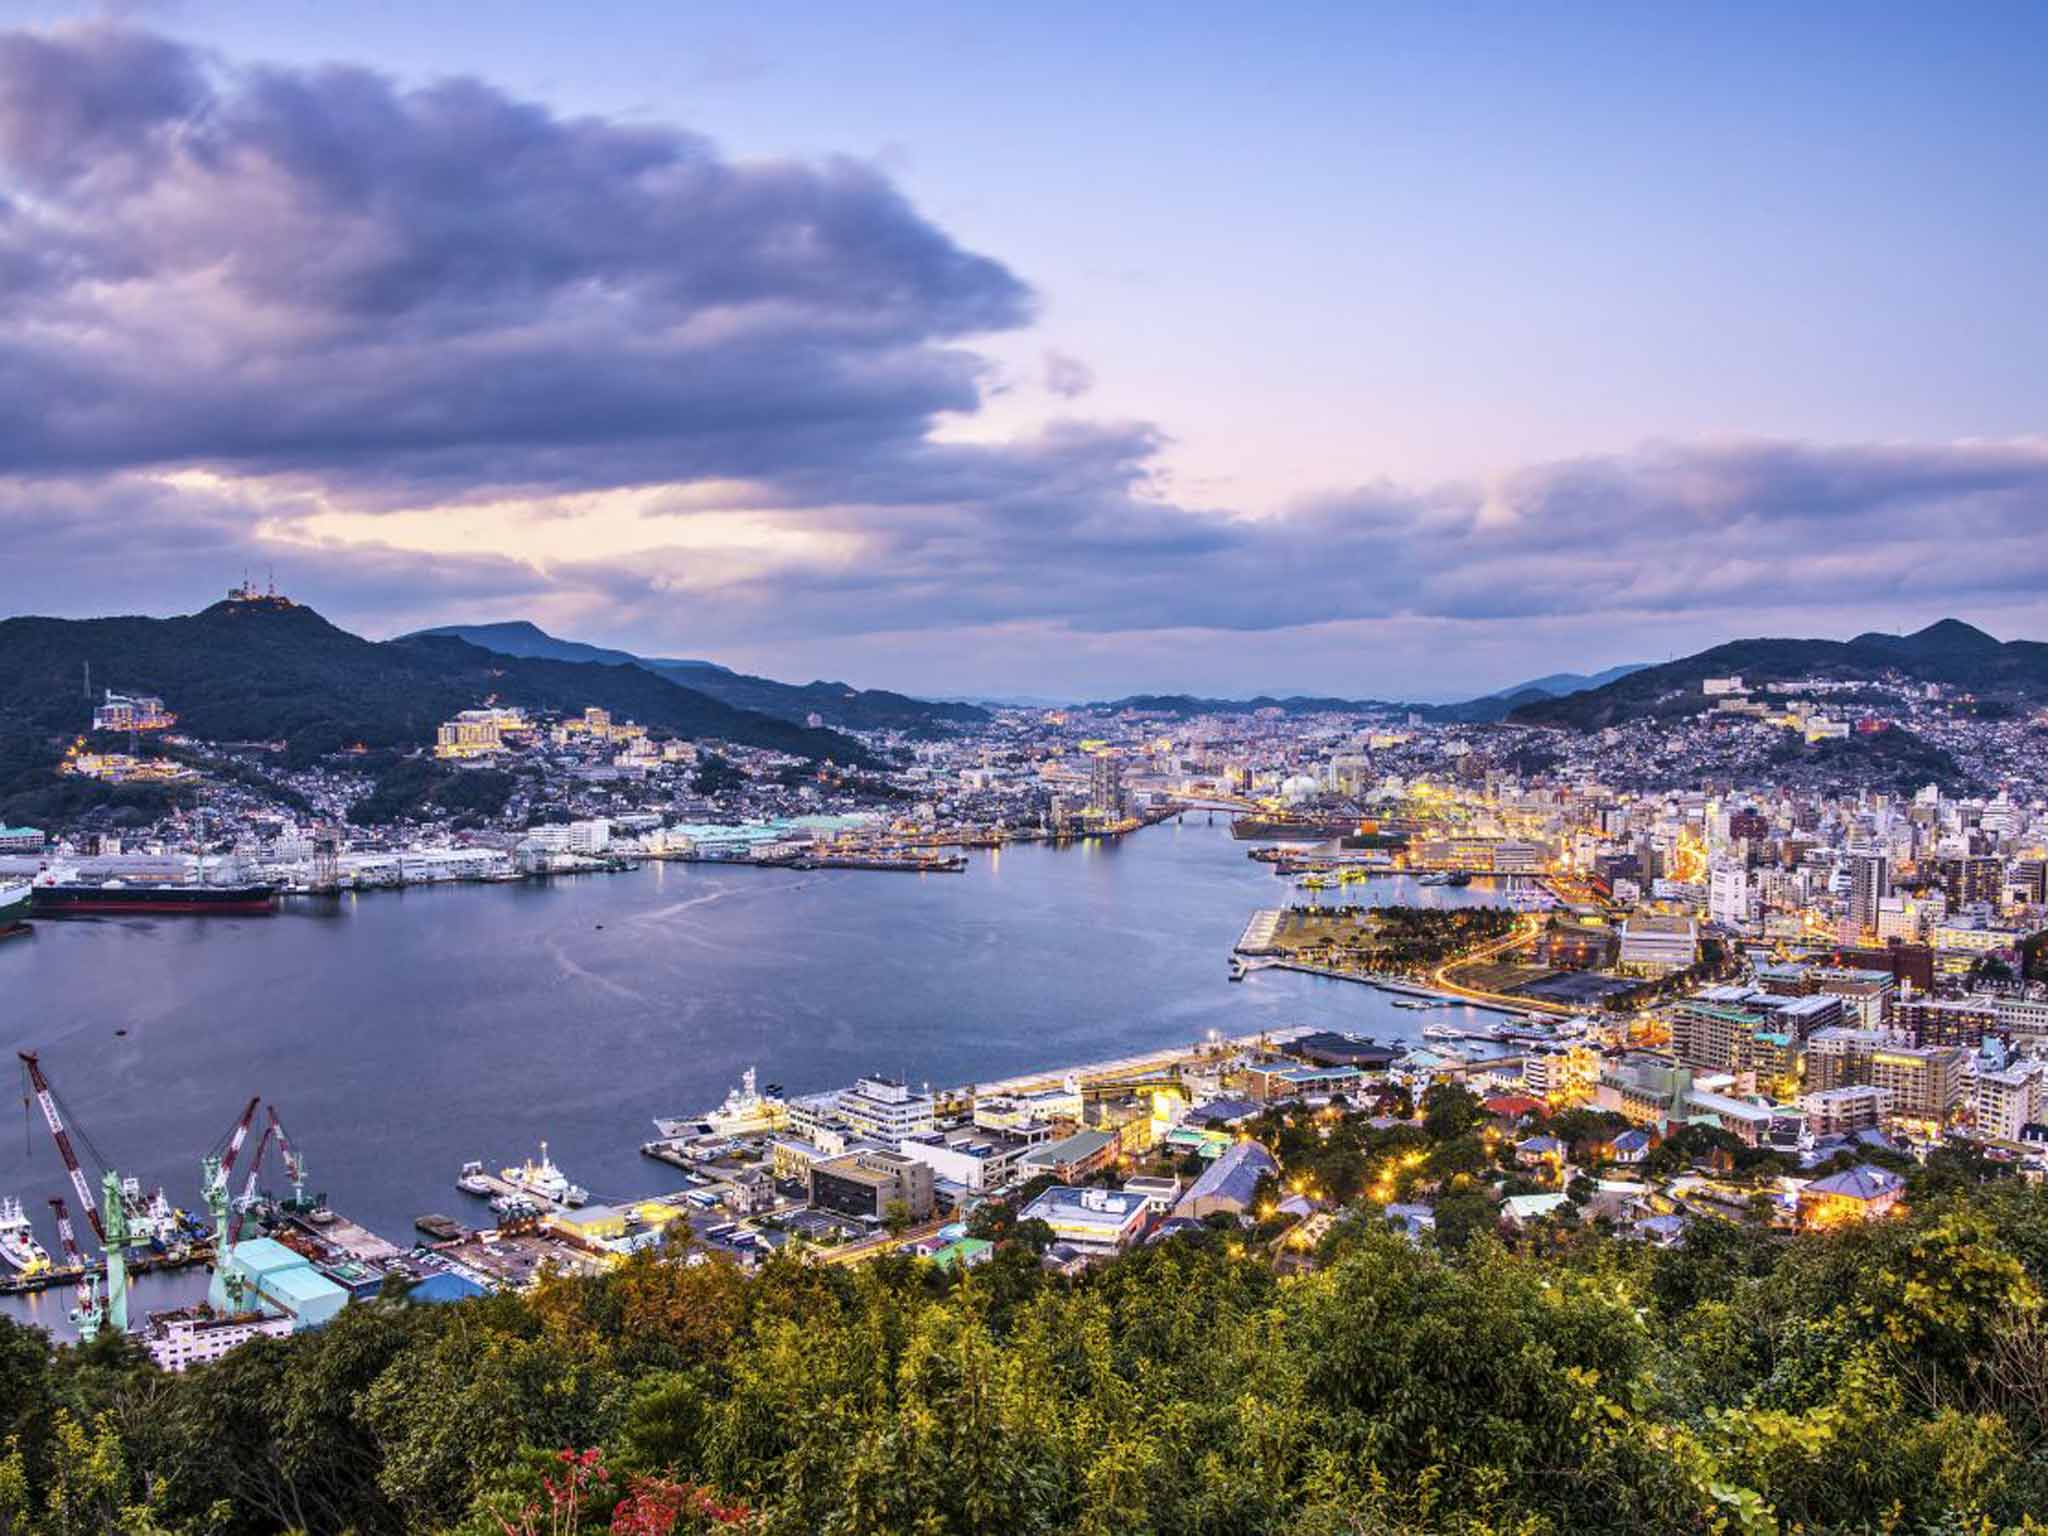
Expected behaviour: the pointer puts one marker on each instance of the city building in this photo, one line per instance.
(1869, 883)
(1845, 1111)
(1273, 1081)
(885, 1110)
(21, 839)
(1099, 1223)
(1106, 794)
(1070, 1159)
(866, 1184)
(1862, 1193)
(2006, 1102)
(1228, 1184)
(187, 1336)
(136, 712)
(286, 1281)
(1656, 944)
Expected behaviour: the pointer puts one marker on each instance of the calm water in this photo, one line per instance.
(402, 1032)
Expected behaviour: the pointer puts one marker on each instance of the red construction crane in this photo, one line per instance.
(65, 1235)
(48, 1101)
(294, 1161)
(241, 1134)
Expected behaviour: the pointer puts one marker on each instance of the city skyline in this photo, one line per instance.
(1329, 355)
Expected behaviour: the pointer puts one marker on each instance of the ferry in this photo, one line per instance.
(18, 1245)
(545, 1180)
(1452, 877)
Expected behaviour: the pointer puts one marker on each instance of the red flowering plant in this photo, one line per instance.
(578, 1491)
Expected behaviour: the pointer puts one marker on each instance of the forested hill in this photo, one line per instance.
(244, 671)
(1950, 652)
(1884, 1379)
(840, 704)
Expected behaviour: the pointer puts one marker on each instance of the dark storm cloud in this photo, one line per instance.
(279, 269)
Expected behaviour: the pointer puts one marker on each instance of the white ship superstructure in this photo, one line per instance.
(18, 1245)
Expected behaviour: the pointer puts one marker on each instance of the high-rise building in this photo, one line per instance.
(1728, 895)
(1975, 878)
(1869, 883)
(1106, 787)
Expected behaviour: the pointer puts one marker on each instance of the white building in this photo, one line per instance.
(2008, 1100)
(1098, 1222)
(1655, 944)
(886, 1111)
(1728, 896)
(194, 1335)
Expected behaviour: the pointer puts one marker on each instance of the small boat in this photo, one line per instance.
(18, 1245)
(472, 1180)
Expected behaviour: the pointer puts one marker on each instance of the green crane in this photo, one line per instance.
(114, 1215)
(225, 1290)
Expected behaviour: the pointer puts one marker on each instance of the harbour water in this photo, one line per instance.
(401, 1033)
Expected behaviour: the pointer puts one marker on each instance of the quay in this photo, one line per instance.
(1122, 1067)
(138, 1264)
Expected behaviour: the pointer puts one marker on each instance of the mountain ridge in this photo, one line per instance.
(268, 671)
(1949, 651)
(836, 703)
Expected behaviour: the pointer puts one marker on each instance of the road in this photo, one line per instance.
(1525, 931)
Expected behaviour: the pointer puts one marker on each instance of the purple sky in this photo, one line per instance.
(1387, 352)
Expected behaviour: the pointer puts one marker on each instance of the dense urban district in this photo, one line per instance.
(1708, 1194)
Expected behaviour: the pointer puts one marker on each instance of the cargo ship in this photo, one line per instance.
(69, 898)
(1293, 829)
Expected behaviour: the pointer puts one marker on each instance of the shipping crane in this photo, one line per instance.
(248, 1197)
(294, 1160)
(214, 1172)
(47, 1099)
(109, 1216)
(73, 1259)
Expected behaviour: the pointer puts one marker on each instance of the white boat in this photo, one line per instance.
(151, 1218)
(473, 1180)
(747, 1111)
(18, 1245)
(14, 902)
(545, 1180)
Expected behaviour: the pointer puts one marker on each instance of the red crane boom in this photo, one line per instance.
(48, 1102)
(249, 1188)
(65, 1235)
(227, 1160)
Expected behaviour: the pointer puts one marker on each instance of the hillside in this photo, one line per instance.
(838, 704)
(1950, 652)
(1485, 710)
(519, 637)
(255, 671)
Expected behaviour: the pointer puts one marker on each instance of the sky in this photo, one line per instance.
(1071, 350)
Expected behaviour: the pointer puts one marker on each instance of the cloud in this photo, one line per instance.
(1066, 376)
(439, 350)
(317, 270)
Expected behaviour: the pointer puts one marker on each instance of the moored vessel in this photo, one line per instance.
(545, 1180)
(18, 1245)
(56, 896)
